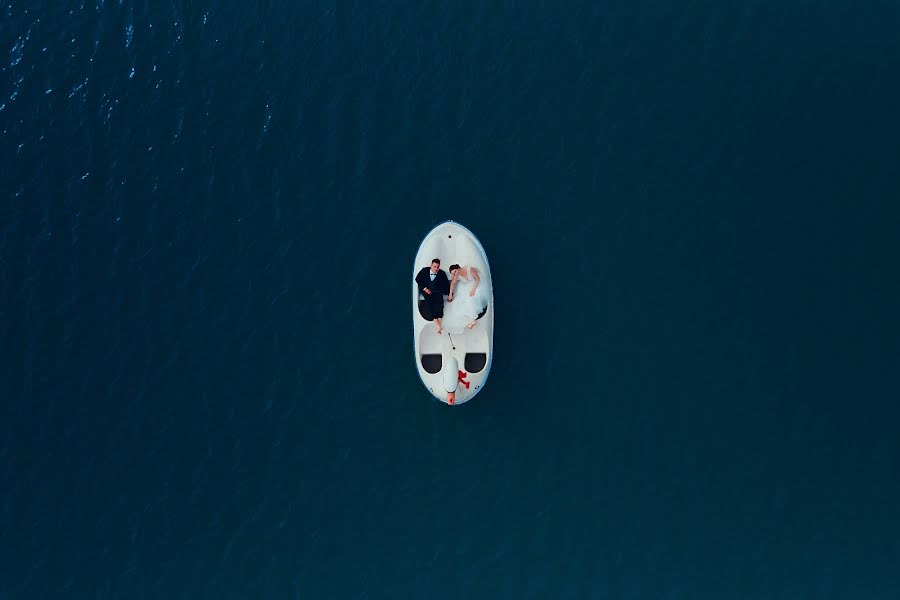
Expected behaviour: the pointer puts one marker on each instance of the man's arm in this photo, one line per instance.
(422, 280)
(477, 280)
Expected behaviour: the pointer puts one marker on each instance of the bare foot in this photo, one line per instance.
(471, 325)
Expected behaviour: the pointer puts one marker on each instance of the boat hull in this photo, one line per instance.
(472, 348)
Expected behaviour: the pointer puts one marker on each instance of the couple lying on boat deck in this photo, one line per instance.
(471, 299)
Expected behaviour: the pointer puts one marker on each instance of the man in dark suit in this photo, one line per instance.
(433, 284)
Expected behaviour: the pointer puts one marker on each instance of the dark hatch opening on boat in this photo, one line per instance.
(475, 361)
(431, 363)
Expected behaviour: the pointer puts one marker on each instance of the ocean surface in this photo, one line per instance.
(209, 213)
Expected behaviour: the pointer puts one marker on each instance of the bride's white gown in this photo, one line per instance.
(465, 308)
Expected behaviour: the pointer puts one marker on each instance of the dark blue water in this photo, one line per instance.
(209, 215)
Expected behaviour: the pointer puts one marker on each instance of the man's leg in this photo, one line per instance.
(436, 304)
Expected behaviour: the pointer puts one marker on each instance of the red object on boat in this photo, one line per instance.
(462, 378)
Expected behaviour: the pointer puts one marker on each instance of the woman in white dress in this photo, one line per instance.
(464, 287)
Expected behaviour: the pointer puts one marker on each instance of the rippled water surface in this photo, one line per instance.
(209, 216)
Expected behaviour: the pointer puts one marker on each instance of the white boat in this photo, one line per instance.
(447, 362)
